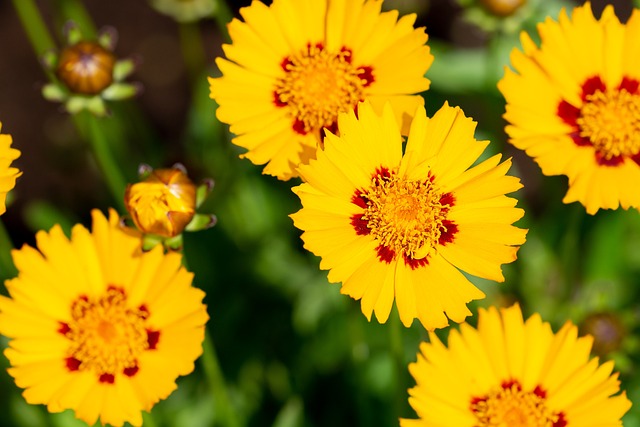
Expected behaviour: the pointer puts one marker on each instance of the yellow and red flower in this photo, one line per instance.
(510, 372)
(399, 224)
(98, 326)
(295, 65)
(573, 105)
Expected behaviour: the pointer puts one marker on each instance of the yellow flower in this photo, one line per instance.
(97, 326)
(163, 203)
(8, 174)
(574, 105)
(508, 372)
(393, 225)
(294, 65)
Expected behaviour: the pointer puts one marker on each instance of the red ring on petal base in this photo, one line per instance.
(608, 120)
(408, 219)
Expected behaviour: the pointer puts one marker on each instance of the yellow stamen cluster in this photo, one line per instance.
(611, 121)
(405, 216)
(511, 406)
(106, 335)
(317, 85)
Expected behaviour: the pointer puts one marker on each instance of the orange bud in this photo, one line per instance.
(502, 7)
(86, 68)
(163, 203)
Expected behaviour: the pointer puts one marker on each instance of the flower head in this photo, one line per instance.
(88, 73)
(97, 326)
(8, 174)
(393, 225)
(294, 66)
(510, 372)
(573, 105)
(163, 204)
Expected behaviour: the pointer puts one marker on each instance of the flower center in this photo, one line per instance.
(86, 68)
(610, 119)
(510, 406)
(106, 336)
(407, 218)
(319, 84)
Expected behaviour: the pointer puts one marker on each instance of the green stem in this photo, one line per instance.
(192, 50)
(216, 380)
(104, 157)
(223, 15)
(494, 60)
(7, 268)
(34, 26)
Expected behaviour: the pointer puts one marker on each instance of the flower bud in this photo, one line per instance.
(607, 330)
(502, 8)
(86, 68)
(163, 203)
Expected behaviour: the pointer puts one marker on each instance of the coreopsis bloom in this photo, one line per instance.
(97, 326)
(8, 174)
(510, 372)
(295, 65)
(574, 105)
(163, 204)
(88, 73)
(393, 224)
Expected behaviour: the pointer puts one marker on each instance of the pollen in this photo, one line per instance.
(318, 85)
(106, 336)
(407, 218)
(509, 405)
(611, 121)
(608, 120)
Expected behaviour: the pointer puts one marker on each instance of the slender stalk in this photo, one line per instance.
(192, 50)
(103, 155)
(223, 15)
(216, 380)
(7, 268)
(34, 26)
(495, 60)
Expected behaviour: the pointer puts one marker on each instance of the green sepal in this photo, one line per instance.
(203, 191)
(174, 243)
(149, 241)
(107, 38)
(96, 105)
(123, 69)
(50, 59)
(144, 170)
(120, 91)
(54, 92)
(75, 104)
(73, 33)
(201, 222)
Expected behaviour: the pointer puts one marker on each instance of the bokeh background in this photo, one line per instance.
(292, 350)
